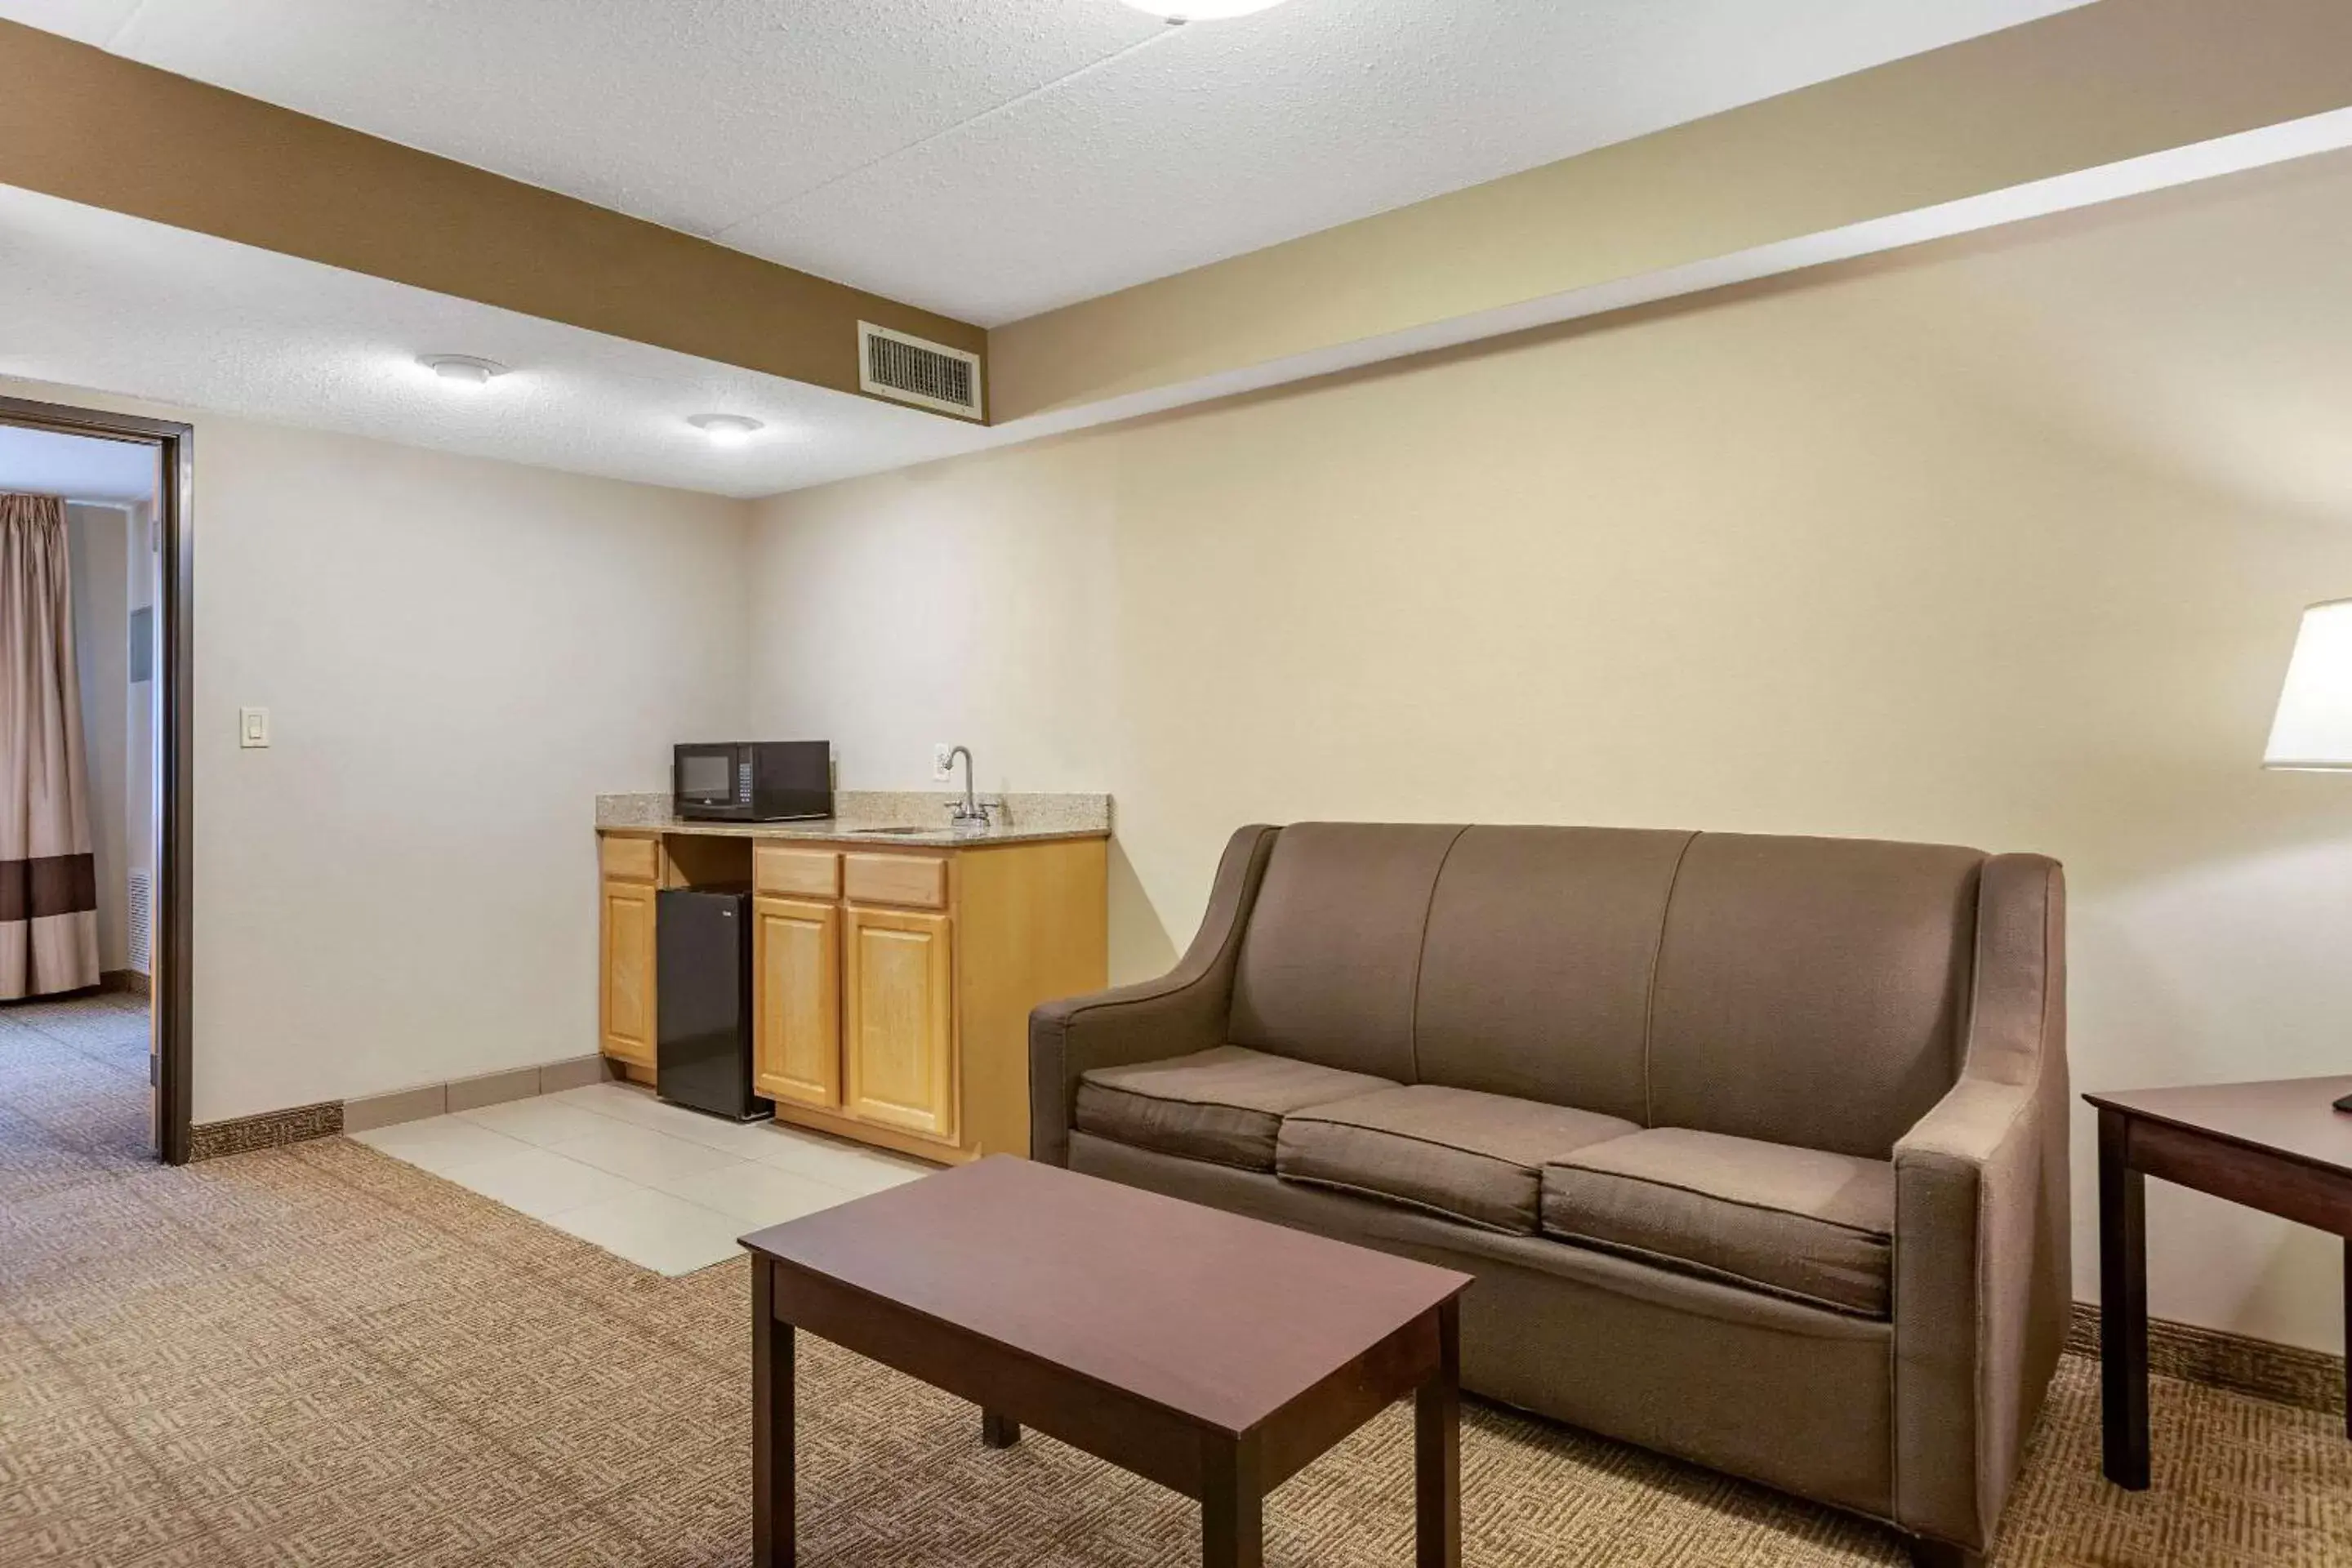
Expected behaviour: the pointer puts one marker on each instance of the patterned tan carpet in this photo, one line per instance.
(319, 1355)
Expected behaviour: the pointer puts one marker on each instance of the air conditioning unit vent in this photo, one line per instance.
(910, 370)
(142, 914)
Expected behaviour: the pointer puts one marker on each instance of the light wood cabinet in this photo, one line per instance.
(892, 988)
(627, 968)
(796, 986)
(793, 872)
(628, 859)
(909, 882)
(899, 1034)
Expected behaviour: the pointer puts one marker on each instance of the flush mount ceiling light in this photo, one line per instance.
(726, 429)
(462, 369)
(1178, 12)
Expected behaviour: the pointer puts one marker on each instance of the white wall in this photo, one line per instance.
(98, 545)
(1999, 544)
(140, 782)
(457, 655)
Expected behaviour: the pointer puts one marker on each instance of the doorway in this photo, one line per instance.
(132, 565)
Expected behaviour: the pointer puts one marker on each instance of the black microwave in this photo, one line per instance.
(752, 781)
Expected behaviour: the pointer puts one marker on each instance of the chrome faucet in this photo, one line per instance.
(968, 811)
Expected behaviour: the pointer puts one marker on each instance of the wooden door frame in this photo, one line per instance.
(176, 599)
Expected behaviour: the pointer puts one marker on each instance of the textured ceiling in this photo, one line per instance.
(94, 298)
(79, 467)
(994, 160)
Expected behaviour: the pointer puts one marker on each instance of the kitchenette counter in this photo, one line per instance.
(874, 986)
(1013, 819)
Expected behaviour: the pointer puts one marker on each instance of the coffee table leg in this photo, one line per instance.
(772, 1532)
(998, 1431)
(1437, 1451)
(2122, 1307)
(1233, 1505)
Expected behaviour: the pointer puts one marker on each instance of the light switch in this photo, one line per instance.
(253, 726)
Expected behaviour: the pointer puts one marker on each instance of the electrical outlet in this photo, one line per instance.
(943, 762)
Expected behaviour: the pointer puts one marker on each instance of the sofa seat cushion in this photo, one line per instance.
(1225, 1104)
(1812, 1226)
(1455, 1151)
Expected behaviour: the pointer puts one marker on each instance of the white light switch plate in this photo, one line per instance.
(942, 762)
(253, 727)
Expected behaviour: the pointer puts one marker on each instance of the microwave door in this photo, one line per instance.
(707, 778)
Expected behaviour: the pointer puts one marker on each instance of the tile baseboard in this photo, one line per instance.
(401, 1105)
(576, 1072)
(2284, 1374)
(242, 1134)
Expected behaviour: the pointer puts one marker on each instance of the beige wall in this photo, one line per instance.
(99, 541)
(457, 656)
(1999, 543)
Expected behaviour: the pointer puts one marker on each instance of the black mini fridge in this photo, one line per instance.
(702, 1001)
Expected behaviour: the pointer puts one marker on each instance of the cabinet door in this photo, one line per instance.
(796, 966)
(627, 964)
(900, 1039)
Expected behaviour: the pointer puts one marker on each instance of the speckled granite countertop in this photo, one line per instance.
(1015, 819)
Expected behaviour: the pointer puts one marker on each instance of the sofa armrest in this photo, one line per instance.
(1982, 1266)
(1182, 1012)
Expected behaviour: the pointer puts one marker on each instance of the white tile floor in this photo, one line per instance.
(669, 1189)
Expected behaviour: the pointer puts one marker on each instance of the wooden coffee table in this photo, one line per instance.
(1214, 1355)
(2279, 1146)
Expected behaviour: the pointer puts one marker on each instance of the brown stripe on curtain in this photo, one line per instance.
(49, 904)
(53, 885)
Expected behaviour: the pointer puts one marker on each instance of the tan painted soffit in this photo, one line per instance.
(2085, 89)
(90, 127)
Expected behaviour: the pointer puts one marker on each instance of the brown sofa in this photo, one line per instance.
(1756, 1146)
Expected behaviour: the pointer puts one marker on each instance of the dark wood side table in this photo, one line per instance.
(2281, 1147)
(1214, 1355)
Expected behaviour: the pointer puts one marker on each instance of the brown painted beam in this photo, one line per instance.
(90, 127)
(2079, 89)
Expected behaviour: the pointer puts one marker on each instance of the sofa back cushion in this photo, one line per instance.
(1812, 991)
(1328, 962)
(1535, 970)
(1801, 991)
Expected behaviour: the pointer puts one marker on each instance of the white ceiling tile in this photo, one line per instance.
(1222, 138)
(994, 159)
(89, 21)
(693, 113)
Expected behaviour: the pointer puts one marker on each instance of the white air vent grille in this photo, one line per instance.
(142, 893)
(930, 376)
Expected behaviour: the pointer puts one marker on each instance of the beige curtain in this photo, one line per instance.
(49, 880)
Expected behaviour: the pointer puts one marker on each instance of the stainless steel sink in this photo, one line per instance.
(891, 831)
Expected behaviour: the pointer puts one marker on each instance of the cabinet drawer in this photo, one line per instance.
(630, 859)
(795, 873)
(911, 882)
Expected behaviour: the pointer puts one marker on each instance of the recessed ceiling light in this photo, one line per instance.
(1178, 12)
(726, 429)
(462, 369)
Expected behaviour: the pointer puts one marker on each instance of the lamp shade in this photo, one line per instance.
(2313, 727)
